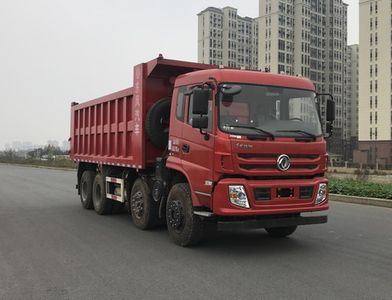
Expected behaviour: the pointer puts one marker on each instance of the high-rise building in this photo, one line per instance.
(350, 101)
(375, 82)
(225, 38)
(308, 38)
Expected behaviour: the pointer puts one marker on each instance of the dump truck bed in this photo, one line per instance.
(110, 130)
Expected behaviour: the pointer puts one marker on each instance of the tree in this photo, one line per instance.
(10, 154)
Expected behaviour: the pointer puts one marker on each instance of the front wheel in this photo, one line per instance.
(281, 231)
(185, 228)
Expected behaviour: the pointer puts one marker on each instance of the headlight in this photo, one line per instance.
(238, 196)
(321, 193)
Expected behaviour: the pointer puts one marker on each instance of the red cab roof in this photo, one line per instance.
(243, 76)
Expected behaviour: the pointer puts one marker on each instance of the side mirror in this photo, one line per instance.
(330, 110)
(329, 129)
(200, 101)
(200, 122)
(228, 89)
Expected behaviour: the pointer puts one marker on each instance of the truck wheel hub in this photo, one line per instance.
(137, 205)
(176, 214)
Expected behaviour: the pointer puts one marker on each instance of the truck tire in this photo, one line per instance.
(157, 123)
(185, 228)
(86, 189)
(102, 205)
(144, 210)
(279, 232)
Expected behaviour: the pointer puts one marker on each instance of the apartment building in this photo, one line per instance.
(308, 38)
(225, 38)
(350, 101)
(375, 82)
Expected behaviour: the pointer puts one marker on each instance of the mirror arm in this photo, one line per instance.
(329, 130)
(324, 94)
(213, 79)
(190, 91)
(205, 133)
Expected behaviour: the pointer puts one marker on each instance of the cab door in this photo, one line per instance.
(197, 153)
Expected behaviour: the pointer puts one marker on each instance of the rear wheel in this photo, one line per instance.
(185, 228)
(281, 231)
(86, 189)
(102, 205)
(144, 210)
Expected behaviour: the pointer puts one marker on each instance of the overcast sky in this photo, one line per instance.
(53, 52)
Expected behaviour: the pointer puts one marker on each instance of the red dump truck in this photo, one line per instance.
(192, 145)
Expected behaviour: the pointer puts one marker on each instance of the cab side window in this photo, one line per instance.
(180, 109)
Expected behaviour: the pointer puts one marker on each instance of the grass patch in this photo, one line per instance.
(360, 188)
(60, 163)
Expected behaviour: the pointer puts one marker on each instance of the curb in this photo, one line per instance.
(40, 167)
(361, 200)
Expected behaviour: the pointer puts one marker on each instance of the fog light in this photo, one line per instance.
(321, 193)
(238, 196)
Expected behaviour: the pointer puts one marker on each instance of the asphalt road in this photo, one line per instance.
(51, 248)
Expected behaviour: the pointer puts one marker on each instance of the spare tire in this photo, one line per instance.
(157, 123)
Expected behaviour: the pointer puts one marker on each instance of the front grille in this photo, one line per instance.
(285, 192)
(273, 166)
(267, 193)
(267, 161)
(305, 192)
(271, 155)
(262, 193)
(306, 166)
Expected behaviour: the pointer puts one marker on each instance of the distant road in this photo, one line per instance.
(51, 248)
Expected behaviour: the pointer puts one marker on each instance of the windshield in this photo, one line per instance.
(269, 111)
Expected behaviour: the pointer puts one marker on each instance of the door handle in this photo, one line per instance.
(185, 148)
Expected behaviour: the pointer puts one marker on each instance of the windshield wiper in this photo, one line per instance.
(300, 131)
(254, 128)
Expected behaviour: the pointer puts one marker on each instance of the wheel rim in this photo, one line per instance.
(84, 190)
(176, 215)
(137, 205)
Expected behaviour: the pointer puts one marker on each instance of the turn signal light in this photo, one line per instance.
(321, 193)
(237, 195)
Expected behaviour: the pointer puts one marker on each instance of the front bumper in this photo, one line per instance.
(271, 222)
(277, 204)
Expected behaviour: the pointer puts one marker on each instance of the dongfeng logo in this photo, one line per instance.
(283, 162)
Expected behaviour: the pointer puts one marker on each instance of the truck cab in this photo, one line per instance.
(250, 145)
